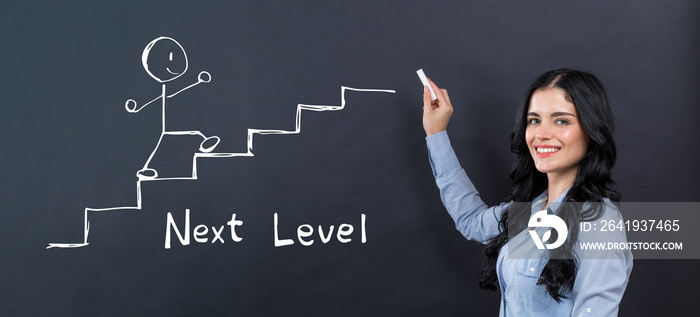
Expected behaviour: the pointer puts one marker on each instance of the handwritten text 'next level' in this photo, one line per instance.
(305, 232)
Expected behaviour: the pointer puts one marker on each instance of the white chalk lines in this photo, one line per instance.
(297, 128)
(175, 65)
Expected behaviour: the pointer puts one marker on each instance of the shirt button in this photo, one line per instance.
(532, 269)
(588, 310)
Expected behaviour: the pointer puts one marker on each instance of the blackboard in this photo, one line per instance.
(68, 143)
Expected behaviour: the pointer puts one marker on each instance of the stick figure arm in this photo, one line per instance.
(132, 106)
(204, 77)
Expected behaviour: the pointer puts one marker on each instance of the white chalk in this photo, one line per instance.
(425, 82)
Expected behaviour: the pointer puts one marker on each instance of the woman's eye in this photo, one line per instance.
(562, 122)
(533, 121)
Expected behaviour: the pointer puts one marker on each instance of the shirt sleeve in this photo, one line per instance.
(472, 217)
(602, 275)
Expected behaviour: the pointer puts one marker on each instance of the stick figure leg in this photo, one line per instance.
(208, 144)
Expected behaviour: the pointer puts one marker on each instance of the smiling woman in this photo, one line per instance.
(556, 140)
(564, 157)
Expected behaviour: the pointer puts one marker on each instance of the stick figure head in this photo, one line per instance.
(164, 59)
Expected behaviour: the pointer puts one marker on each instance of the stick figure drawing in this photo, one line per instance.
(164, 60)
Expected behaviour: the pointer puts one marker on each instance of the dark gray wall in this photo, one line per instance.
(67, 143)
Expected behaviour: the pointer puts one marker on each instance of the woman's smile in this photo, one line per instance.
(546, 150)
(554, 134)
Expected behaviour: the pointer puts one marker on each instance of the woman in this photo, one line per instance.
(565, 153)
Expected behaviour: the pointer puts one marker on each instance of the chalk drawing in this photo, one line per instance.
(174, 67)
(162, 73)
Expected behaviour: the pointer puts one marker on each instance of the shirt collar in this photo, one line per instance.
(539, 202)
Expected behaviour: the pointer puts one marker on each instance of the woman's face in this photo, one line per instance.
(554, 134)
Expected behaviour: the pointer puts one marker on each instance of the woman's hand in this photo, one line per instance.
(436, 113)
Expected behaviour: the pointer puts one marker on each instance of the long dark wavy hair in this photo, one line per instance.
(593, 180)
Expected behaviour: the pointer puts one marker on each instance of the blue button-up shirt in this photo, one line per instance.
(600, 280)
